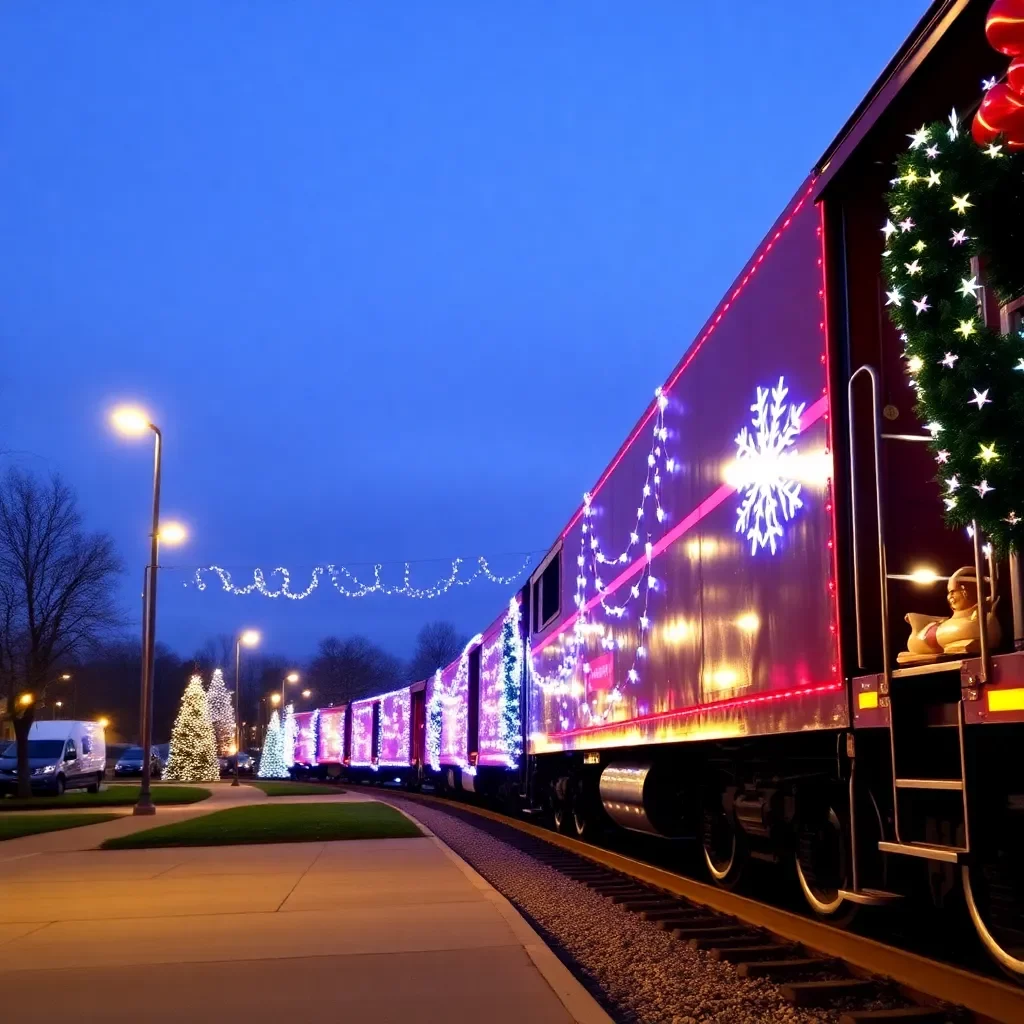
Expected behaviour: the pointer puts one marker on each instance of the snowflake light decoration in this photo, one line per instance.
(764, 455)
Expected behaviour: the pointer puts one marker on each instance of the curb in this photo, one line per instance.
(581, 1006)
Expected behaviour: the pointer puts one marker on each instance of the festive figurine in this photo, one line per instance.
(957, 635)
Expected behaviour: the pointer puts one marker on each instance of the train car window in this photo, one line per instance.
(547, 590)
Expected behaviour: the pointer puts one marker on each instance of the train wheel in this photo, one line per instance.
(724, 849)
(822, 867)
(582, 823)
(560, 817)
(994, 893)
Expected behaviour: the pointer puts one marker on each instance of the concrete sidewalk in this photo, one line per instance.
(366, 930)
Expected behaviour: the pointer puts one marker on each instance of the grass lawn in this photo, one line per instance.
(112, 796)
(281, 823)
(295, 788)
(15, 825)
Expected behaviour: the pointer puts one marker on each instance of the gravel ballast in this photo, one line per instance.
(637, 971)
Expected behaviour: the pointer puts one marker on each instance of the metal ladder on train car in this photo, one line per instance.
(907, 690)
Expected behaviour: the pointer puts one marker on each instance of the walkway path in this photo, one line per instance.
(368, 930)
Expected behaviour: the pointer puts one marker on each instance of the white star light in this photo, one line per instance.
(952, 483)
(994, 151)
(950, 504)
(919, 138)
(949, 360)
(914, 267)
(966, 328)
(959, 237)
(889, 229)
(988, 83)
(921, 305)
(942, 457)
(962, 203)
(933, 178)
(1013, 519)
(983, 488)
(933, 428)
(969, 289)
(980, 398)
(932, 152)
(1020, 365)
(894, 298)
(906, 225)
(954, 125)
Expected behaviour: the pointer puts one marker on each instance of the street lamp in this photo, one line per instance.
(250, 638)
(131, 421)
(104, 723)
(275, 699)
(56, 705)
(307, 694)
(292, 677)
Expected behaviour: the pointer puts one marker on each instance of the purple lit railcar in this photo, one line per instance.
(689, 596)
(306, 728)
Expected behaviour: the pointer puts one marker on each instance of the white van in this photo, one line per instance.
(61, 755)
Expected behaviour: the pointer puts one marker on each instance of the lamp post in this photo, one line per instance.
(133, 422)
(292, 677)
(250, 638)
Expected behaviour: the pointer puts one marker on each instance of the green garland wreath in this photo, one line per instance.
(952, 200)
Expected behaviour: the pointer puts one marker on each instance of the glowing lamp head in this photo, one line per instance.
(103, 723)
(275, 699)
(923, 576)
(250, 638)
(130, 420)
(307, 694)
(173, 533)
(25, 700)
(66, 676)
(60, 703)
(292, 677)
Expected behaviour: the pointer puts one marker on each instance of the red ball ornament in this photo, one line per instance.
(982, 133)
(1015, 75)
(1004, 27)
(1001, 113)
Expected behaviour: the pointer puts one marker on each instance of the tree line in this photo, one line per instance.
(64, 638)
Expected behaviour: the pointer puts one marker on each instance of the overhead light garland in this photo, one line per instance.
(967, 392)
(341, 577)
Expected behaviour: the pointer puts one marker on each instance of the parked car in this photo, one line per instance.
(61, 755)
(246, 765)
(130, 763)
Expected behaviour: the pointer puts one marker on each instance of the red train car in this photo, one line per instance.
(709, 647)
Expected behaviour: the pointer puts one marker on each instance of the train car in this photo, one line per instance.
(709, 648)
(330, 746)
(304, 752)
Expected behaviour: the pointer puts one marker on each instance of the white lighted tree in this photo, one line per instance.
(272, 764)
(221, 713)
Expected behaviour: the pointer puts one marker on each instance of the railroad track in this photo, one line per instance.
(815, 964)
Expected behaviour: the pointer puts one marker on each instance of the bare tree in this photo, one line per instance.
(218, 652)
(437, 644)
(55, 594)
(345, 670)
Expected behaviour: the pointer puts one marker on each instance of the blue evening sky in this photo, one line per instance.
(395, 278)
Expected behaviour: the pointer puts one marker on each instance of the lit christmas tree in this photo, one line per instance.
(193, 754)
(272, 764)
(288, 739)
(221, 713)
(512, 669)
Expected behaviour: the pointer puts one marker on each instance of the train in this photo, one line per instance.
(709, 647)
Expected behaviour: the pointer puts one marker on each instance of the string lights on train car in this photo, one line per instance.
(341, 577)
